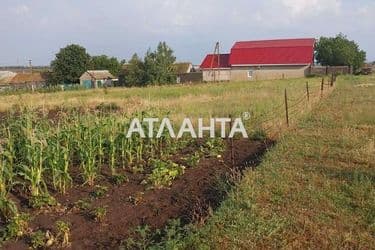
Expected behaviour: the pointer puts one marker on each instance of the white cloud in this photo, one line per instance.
(300, 8)
(21, 10)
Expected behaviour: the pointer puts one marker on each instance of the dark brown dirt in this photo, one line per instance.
(188, 198)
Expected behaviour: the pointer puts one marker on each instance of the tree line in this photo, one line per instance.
(155, 68)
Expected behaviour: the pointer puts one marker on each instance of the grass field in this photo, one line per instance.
(180, 100)
(314, 190)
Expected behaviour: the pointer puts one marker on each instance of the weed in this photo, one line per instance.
(119, 179)
(136, 199)
(213, 147)
(17, 227)
(41, 201)
(193, 159)
(63, 232)
(99, 191)
(99, 214)
(37, 240)
(83, 205)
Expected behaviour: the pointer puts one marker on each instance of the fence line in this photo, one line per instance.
(272, 121)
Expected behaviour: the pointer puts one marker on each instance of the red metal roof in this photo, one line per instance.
(299, 42)
(272, 52)
(208, 63)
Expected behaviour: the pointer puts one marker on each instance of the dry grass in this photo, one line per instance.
(180, 100)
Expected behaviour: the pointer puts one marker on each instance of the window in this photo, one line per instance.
(250, 74)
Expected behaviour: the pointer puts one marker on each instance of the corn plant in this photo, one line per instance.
(59, 160)
(8, 208)
(99, 131)
(112, 153)
(33, 169)
(87, 153)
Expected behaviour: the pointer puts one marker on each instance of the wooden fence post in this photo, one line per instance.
(307, 92)
(286, 108)
(322, 88)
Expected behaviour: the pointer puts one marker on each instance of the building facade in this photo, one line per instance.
(97, 79)
(261, 60)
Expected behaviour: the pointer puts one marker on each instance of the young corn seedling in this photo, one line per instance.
(99, 214)
(63, 233)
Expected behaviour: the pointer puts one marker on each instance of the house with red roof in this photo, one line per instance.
(260, 60)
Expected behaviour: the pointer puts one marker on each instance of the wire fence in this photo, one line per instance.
(284, 114)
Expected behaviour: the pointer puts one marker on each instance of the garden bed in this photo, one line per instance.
(133, 204)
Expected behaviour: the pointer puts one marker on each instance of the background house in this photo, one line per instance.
(186, 73)
(183, 67)
(259, 60)
(97, 79)
(11, 80)
(6, 76)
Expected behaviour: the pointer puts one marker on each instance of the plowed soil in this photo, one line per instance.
(131, 204)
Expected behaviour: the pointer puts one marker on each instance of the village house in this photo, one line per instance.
(97, 79)
(260, 60)
(22, 80)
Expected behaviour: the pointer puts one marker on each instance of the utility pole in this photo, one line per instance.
(216, 55)
(31, 66)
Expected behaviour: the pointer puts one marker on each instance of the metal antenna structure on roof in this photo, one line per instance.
(215, 55)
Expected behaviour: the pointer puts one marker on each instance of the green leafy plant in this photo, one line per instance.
(17, 226)
(213, 147)
(163, 173)
(37, 240)
(193, 159)
(143, 239)
(42, 200)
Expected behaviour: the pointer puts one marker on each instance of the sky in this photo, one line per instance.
(37, 29)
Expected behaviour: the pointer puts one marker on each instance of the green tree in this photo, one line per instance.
(70, 63)
(104, 62)
(159, 65)
(339, 51)
(134, 73)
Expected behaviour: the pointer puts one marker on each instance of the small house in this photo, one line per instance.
(97, 79)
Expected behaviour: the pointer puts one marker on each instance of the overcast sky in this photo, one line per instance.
(37, 29)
